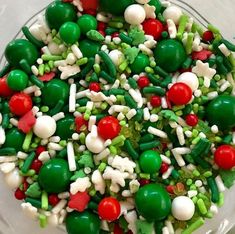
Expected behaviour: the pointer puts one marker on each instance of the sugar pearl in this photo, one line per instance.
(174, 13)
(189, 79)
(135, 14)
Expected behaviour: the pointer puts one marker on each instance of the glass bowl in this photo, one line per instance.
(15, 14)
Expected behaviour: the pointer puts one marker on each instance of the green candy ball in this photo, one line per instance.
(170, 55)
(94, 48)
(153, 202)
(17, 80)
(221, 112)
(70, 32)
(157, 4)
(140, 63)
(87, 23)
(54, 91)
(150, 161)
(54, 176)
(85, 222)
(65, 127)
(20, 49)
(14, 139)
(59, 12)
(115, 7)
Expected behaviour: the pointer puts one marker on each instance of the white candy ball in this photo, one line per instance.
(44, 127)
(189, 79)
(117, 57)
(13, 179)
(182, 208)
(174, 13)
(94, 144)
(135, 14)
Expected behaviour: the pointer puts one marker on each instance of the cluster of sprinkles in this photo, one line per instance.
(118, 117)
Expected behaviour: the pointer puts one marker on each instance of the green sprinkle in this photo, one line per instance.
(118, 139)
(48, 57)
(82, 61)
(154, 90)
(7, 151)
(161, 72)
(95, 36)
(194, 226)
(102, 166)
(214, 189)
(182, 25)
(213, 29)
(189, 43)
(34, 79)
(220, 203)
(27, 141)
(109, 63)
(34, 190)
(125, 38)
(114, 24)
(28, 161)
(42, 220)
(131, 151)
(130, 101)
(44, 200)
(107, 77)
(149, 145)
(5, 70)
(31, 38)
(201, 206)
(113, 149)
(144, 176)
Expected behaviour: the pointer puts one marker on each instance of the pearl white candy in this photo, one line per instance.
(174, 13)
(117, 57)
(182, 208)
(189, 79)
(135, 14)
(44, 127)
(95, 144)
(13, 179)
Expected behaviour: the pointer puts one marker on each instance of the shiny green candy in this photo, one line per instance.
(150, 161)
(54, 176)
(85, 222)
(20, 49)
(94, 48)
(157, 4)
(170, 55)
(65, 127)
(140, 63)
(70, 32)
(17, 80)
(58, 12)
(221, 112)
(153, 202)
(54, 91)
(87, 23)
(115, 7)
(14, 139)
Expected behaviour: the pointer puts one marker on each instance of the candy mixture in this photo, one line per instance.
(118, 117)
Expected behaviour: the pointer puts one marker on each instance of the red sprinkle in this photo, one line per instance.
(102, 26)
(47, 76)
(27, 122)
(201, 55)
(40, 149)
(143, 81)
(164, 167)
(94, 86)
(53, 199)
(79, 201)
(143, 182)
(208, 36)
(117, 229)
(36, 165)
(80, 122)
(19, 195)
(116, 34)
(170, 189)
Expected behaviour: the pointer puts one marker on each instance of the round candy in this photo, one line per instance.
(174, 13)
(117, 57)
(224, 157)
(115, 7)
(153, 27)
(14, 179)
(89, 4)
(221, 112)
(180, 94)
(85, 222)
(65, 128)
(155, 101)
(170, 55)
(44, 127)
(157, 4)
(54, 91)
(54, 176)
(17, 80)
(86, 23)
(153, 202)
(69, 32)
(20, 49)
(93, 46)
(109, 127)
(134, 14)
(143, 81)
(95, 144)
(59, 12)
(14, 139)
(109, 209)
(189, 79)
(20, 104)
(140, 63)
(191, 119)
(5, 90)
(150, 161)
(183, 208)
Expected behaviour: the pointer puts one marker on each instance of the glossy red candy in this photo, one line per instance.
(143, 81)
(36, 165)
(19, 195)
(80, 123)
(53, 199)
(153, 27)
(94, 86)
(164, 167)
(191, 119)
(5, 91)
(155, 101)
(40, 149)
(89, 4)
(208, 36)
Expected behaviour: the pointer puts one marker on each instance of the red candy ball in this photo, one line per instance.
(143, 182)
(89, 4)
(155, 101)
(109, 209)
(5, 91)
(164, 167)
(53, 199)
(224, 157)
(94, 86)
(180, 94)
(36, 165)
(109, 127)
(191, 120)
(208, 36)
(143, 81)
(20, 104)
(19, 195)
(153, 27)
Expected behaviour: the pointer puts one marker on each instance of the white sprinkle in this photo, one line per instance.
(83, 83)
(197, 93)
(145, 49)
(146, 114)
(154, 118)
(70, 59)
(171, 28)
(120, 116)
(212, 95)
(191, 167)
(55, 139)
(202, 135)
(165, 159)
(214, 209)
(157, 132)
(104, 154)
(233, 137)
(173, 124)
(56, 209)
(63, 214)
(2, 136)
(45, 50)
(179, 159)
(44, 141)
(37, 93)
(63, 195)
(192, 193)
(101, 17)
(39, 61)
(165, 230)
(117, 40)
(34, 70)
(7, 159)
(60, 63)
(44, 156)
(181, 150)
(220, 183)
(54, 146)
(167, 173)
(22, 155)
(58, 116)
(82, 94)
(164, 103)
(81, 148)
(202, 189)
(71, 157)
(75, 136)
(135, 95)
(198, 183)
(169, 226)
(223, 48)
(188, 133)
(150, 43)
(131, 114)
(116, 84)
(7, 167)
(30, 89)
(180, 135)
(77, 52)
(91, 122)
(214, 129)
(72, 98)
(224, 86)
(107, 143)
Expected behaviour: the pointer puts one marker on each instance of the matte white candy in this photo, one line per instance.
(135, 14)
(182, 208)
(117, 57)
(13, 179)
(44, 127)
(174, 13)
(189, 79)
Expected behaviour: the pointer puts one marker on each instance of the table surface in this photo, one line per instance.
(13, 15)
